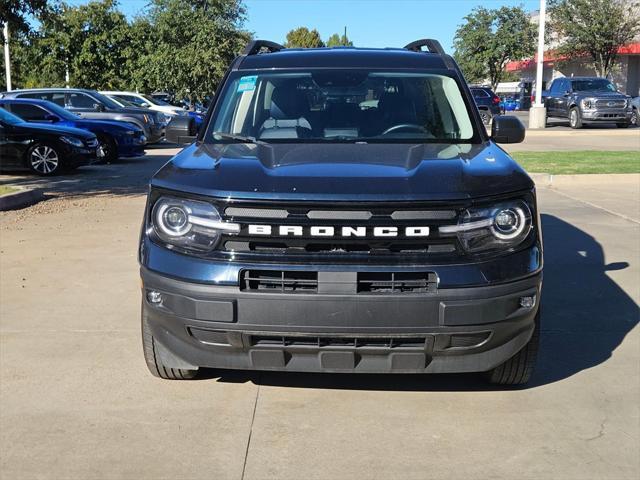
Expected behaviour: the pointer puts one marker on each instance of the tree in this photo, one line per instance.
(594, 28)
(16, 11)
(90, 40)
(192, 42)
(302, 37)
(337, 40)
(489, 39)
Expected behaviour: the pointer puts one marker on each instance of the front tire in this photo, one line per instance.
(575, 118)
(519, 368)
(154, 363)
(44, 159)
(109, 148)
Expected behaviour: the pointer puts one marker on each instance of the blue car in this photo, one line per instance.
(116, 139)
(198, 117)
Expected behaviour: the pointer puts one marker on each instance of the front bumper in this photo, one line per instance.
(614, 116)
(468, 329)
(155, 132)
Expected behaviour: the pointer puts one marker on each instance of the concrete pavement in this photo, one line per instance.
(78, 403)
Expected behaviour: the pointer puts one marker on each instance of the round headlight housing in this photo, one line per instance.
(188, 225)
(497, 227)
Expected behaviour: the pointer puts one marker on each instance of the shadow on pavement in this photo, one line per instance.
(585, 317)
(124, 177)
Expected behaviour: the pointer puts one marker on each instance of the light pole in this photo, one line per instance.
(7, 59)
(538, 112)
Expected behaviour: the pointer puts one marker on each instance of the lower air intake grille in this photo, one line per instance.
(338, 342)
(279, 281)
(397, 282)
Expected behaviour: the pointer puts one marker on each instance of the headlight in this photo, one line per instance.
(588, 103)
(188, 224)
(72, 141)
(500, 226)
(146, 118)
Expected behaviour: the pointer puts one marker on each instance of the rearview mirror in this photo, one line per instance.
(507, 129)
(181, 130)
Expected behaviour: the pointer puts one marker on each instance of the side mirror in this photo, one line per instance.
(98, 107)
(51, 118)
(181, 130)
(507, 129)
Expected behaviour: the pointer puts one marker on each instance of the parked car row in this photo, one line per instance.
(122, 123)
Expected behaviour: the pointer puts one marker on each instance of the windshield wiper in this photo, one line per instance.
(238, 138)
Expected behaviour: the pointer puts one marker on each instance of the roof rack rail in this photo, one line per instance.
(255, 46)
(432, 45)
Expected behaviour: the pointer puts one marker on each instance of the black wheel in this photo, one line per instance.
(575, 119)
(623, 125)
(518, 369)
(107, 148)
(154, 363)
(486, 117)
(44, 159)
(634, 117)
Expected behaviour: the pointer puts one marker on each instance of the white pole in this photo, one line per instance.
(7, 59)
(538, 112)
(540, 66)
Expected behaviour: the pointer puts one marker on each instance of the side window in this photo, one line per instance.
(28, 112)
(555, 86)
(80, 100)
(567, 87)
(479, 93)
(57, 98)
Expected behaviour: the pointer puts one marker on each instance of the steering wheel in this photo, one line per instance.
(405, 126)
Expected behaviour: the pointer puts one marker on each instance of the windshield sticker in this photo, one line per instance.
(247, 84)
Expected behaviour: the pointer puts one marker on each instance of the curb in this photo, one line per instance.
(549, 180)
(21, 199)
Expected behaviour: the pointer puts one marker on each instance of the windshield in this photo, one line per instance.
(9, 118)
(108, 102)
(343, 105)
(155, 101)
(593, 85)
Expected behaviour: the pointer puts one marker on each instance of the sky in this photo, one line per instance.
(370, 23)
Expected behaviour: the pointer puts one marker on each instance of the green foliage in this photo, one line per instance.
(16, 11)
(595, 28)
(191, 45)
(302, 37)
(489, 39)
(182, 46)
(337, 40)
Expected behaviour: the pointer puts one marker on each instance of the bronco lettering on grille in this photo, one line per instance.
(329, 231)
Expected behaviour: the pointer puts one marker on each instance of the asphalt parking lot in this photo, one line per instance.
(78, 402)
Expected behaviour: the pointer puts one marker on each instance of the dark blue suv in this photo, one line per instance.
(342, 210)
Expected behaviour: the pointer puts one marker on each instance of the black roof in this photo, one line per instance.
(345, 57)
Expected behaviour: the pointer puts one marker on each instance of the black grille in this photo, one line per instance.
(279, 281)
(339, 244)
(397, 282)
(338, 342)
(276, 281)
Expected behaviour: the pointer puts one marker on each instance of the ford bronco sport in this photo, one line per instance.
(342, 210)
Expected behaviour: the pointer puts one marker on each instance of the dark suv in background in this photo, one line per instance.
(587, 100)
(91, 104)
(488, 102)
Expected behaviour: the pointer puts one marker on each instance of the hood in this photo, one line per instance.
(600, 94)
(106, 124)
(344, 172)
(56, 129)
(134, 111)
